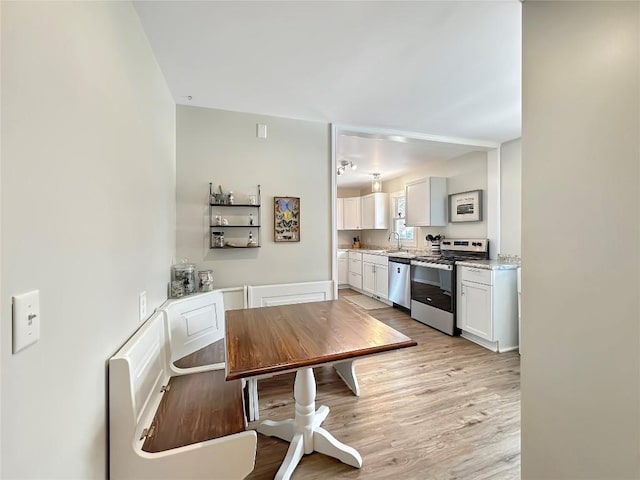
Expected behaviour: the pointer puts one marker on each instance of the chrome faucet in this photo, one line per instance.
(398, 237)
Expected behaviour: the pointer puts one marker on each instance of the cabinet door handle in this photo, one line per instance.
(462, 290)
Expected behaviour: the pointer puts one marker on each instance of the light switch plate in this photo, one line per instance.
(26, 319)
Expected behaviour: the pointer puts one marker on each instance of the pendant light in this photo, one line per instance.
(376, 183)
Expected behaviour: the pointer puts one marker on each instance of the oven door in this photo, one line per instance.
(432, 284)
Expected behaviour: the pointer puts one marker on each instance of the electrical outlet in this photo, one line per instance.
(26, 320)
(142, 304)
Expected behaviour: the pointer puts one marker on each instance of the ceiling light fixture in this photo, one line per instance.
(376, 183)
(343, 166)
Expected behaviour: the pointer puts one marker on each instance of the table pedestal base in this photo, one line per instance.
(304, 432)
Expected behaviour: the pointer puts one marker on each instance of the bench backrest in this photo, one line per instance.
(194, 322)
(136, 374)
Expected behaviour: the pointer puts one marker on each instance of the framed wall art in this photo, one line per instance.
(286, 213)
(465, 206)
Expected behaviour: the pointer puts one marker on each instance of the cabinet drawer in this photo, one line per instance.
(355, 255)
(355, 266)
(375, 259)
(355, 280)
(477, 275)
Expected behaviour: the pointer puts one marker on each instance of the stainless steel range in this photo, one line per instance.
(433, 282)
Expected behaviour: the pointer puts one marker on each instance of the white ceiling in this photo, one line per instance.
(390, 156)
(447, 68)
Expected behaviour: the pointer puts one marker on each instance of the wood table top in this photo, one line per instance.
(273, 339)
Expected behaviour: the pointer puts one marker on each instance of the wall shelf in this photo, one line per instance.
(236, 227)
(235, 205)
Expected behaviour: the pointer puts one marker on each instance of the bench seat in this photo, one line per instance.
(196, 408)
(209, 355)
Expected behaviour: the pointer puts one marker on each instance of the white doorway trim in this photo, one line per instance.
(493, 179)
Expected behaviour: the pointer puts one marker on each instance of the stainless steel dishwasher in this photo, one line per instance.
(400, 281)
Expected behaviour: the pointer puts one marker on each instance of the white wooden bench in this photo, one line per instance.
(168, 422)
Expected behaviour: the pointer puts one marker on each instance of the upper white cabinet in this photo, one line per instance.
(368, 212)
(351, 217)
(426, 202)
(375, 211)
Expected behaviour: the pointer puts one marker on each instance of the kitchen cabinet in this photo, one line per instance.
(369, 212)
(355, 270)
(351, 213)
(340, 213)
(343, 267)
(487, 307)
(375, 275)
(375, 211)
(426, 202)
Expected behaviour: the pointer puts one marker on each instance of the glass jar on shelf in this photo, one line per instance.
(217, 239)
(205, 278)
(186, 273)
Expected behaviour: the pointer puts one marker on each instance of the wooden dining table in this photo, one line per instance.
(267, 340)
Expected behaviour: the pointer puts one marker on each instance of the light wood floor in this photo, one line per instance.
(446, 409)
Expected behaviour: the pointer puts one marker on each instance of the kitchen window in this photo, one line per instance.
(407, 234)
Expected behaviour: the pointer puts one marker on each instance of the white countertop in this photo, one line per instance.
(484, 264)
(488, 264)
(386, 253)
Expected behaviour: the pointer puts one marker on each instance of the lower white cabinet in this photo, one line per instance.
(487, 307)
(475, 311)
(355, 270)
(343, 267)
(375, 275)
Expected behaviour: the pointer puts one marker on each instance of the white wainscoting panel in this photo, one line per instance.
(235, 298)
(194, 322)
(289, 293)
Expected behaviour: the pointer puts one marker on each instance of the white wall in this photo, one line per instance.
(510, 197)
(580, 239)
(88, 217)
(221, 147)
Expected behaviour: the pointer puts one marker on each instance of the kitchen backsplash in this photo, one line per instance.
(509, 258)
